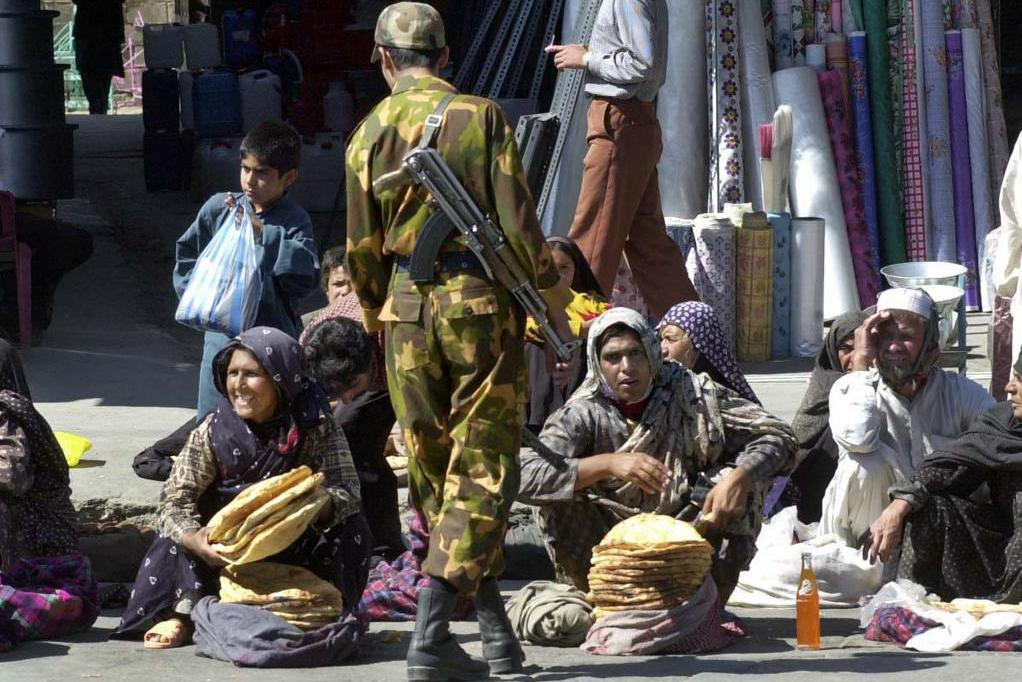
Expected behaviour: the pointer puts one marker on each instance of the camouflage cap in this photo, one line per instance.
(411, 25)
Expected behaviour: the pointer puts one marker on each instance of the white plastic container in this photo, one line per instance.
(321, 174)
(338, 109)
(260, 98)
(202, 46)
(218, 166)
(164, 46)
(184, 88)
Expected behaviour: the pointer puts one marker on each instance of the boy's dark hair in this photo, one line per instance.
(613, 332)
(337, 352)
(405, 58)
(332, 258)
(274, 143)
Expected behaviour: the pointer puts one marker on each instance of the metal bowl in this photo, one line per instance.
(946, 299)
(907, 275)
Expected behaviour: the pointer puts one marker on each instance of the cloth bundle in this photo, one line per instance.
(550, 614)
(294, 593)
(647, 562)
(268, 517)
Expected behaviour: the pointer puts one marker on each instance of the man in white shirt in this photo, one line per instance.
(891, 410)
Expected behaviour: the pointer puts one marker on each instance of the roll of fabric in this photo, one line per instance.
(681, 109)
(996, 131)
(823, 24)
(892, 229)
(961, 168)
(798, 32)
(814, 186)
(938, 129)
(809, 20)
(836, 18)
(724, 94)
(754, 287)
(924, 151)
(979, 155)
(836, 48)
(757, 94)
(784, 56)
(816, 57)
(680, 230)
(859, 94)
(780, 323)
(711, 266)
(849, 176)
(807, 296)
(912, 178)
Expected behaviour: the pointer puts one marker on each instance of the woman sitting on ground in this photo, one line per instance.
(547, 393)
(690, 334)
(644, 435)
(271, 419)
(817, 455)
(953, 545)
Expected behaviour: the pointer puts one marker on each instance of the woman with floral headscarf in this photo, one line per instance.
(644, 435)
(271, 418)
(691, 334)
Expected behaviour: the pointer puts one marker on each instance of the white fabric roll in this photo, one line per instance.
(816, 56)
(681, 108)
(814, 186)
(979, 150)
(757, 94)
(783, 55)
(808, 237)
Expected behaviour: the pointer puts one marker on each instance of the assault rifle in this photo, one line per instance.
(456, 210)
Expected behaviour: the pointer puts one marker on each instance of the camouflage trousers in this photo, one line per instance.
(457, 375)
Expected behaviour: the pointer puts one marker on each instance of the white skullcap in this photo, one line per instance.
(911, 300)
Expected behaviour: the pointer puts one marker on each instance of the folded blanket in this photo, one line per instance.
(251, 637)
(47, 597)
(550, 614)
(696, 626)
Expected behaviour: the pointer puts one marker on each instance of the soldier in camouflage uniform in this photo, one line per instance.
(454, 347)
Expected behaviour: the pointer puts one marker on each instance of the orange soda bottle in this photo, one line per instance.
(807, 607)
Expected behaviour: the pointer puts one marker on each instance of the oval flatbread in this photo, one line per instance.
(250, 499)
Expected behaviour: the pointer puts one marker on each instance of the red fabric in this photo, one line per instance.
(849, 177)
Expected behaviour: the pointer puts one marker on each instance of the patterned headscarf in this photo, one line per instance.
(595, 383)
(700, 323)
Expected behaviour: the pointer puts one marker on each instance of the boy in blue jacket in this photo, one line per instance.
(288, 262)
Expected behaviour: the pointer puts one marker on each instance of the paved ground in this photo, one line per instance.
(115, 368)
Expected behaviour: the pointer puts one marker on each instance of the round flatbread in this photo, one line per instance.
(268, 583)
(279, 536)
(282, 500)
(250, 499)
(650, 529)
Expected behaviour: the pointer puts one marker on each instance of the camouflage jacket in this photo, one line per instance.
(478, 145)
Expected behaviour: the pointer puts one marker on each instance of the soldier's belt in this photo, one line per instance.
(450, 263)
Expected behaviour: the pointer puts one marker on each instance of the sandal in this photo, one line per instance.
(167, 634)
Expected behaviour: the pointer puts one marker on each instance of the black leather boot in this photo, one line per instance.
(501, 648)
(433, 653)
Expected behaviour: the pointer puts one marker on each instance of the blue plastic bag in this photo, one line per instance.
(223, 292)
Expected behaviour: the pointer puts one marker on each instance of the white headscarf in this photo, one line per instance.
(595, 383)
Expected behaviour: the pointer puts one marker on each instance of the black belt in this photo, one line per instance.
(453, 263)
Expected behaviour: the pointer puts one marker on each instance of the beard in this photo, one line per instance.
(896, 374)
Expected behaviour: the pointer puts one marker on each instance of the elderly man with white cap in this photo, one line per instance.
(891, 410)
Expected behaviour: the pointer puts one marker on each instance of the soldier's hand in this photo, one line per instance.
(568, 56)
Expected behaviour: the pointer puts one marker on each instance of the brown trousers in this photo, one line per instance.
(619, 205)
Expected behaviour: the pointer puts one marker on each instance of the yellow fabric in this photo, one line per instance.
(582, 308)
(754, 291)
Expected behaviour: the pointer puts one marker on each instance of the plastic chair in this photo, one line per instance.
(13, 251)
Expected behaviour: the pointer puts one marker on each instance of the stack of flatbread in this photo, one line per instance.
(647, 562)
(267, 517)
(291, 592)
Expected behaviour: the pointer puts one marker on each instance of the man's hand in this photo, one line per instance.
(727, 500)
(866, 336)
(885, 532)
(647, 472)
(197, 542)
(568, 56)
